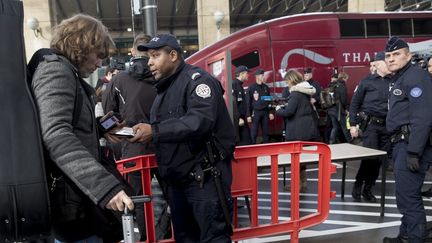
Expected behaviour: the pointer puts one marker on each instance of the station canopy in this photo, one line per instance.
(174, 14)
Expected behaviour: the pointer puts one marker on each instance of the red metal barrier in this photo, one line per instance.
(245, 183)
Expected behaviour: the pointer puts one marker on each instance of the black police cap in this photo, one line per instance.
(160, 41)
(241, 69)
(259, 71)
(395, 43)
(379, 56)
(308, 70)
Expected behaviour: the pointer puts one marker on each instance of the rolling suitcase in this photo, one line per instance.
(128, 220)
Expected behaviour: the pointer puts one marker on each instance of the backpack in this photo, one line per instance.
(327, 98)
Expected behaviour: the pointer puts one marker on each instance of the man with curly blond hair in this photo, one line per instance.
(82, 186)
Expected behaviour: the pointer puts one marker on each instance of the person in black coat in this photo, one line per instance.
(298, 114)
(308, 76)
(368, 112)
(337, 113)
(240, 103)
(130, 94)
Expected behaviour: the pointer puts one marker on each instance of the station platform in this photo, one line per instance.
(349, 221)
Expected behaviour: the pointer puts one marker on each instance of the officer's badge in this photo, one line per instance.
(416, 92)
(203, 91)
(397, 92)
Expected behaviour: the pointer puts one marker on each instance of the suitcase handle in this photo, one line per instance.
(138, 199)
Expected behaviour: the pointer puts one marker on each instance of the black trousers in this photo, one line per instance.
(244, 133)
(260, 119)
(197, 212)
(376, 137)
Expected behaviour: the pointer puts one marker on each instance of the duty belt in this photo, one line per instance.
(377, 120)
(396, 138)
(401, 135)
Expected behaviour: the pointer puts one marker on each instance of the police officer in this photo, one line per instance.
(308, 76)
(368, 111)
(194, 140)
(240, 103)
(409, 122)
(258, 112)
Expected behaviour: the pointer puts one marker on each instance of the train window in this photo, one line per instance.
(377, 28)
(401, 27)
(351, 28)
(250, 60)
(422, 27)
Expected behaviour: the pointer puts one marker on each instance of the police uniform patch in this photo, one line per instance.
(203, 91)
(397, 92)
(416, 92)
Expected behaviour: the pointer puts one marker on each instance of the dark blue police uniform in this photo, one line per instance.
(369, 110)
(409, 106)
(239, 97)
(409, 120)
(259, 110)
(189, 111)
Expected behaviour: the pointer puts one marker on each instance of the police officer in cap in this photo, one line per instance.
(368, 111)
(258, 112)
(409, 122)
(240, 105)
(194, 140)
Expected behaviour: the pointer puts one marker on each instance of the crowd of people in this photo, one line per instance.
(177, 111)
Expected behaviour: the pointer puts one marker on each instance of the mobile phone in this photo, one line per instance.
(109, 123)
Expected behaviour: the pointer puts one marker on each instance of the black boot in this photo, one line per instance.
(356, 192)
(368, 195)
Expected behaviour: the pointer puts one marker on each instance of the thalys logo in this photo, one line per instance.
(311, 55)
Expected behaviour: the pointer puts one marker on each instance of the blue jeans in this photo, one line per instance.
(91, 239)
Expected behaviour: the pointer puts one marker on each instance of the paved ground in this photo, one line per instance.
(349, 221)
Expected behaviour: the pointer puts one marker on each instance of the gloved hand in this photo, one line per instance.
(413, 163)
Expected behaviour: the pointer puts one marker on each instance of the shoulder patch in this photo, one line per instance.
(416, 92)
(203, 91)
(397, 92)
(195, 75)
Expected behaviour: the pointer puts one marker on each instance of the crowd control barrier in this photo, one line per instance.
(245, 184)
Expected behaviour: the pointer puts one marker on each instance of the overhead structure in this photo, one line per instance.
(173, 15)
